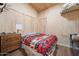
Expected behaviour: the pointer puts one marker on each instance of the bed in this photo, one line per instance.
(39, 44)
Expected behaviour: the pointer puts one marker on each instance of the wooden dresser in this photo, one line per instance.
(9, 42)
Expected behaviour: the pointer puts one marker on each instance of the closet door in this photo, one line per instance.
(28, 24)
(35, 25)
(42, 25)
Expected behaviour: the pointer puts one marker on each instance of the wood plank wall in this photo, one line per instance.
(11, 17)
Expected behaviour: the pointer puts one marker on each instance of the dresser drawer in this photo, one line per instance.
(13, 43)
(9, 44)
(10, 48)
(12, 40)
(10, 35)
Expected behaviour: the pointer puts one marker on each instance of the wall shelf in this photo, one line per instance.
(70, 8)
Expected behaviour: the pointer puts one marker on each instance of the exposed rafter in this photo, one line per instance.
(41, 6)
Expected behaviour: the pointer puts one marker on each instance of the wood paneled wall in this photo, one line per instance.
(11, 17)
(61, 25)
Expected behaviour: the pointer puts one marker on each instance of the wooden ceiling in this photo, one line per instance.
(41, 6)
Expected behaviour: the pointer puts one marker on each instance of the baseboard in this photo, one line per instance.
(64, 45)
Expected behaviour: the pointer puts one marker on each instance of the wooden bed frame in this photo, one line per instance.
(32, 52)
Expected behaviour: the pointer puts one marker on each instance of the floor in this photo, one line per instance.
(61, 51)
(18, 52)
